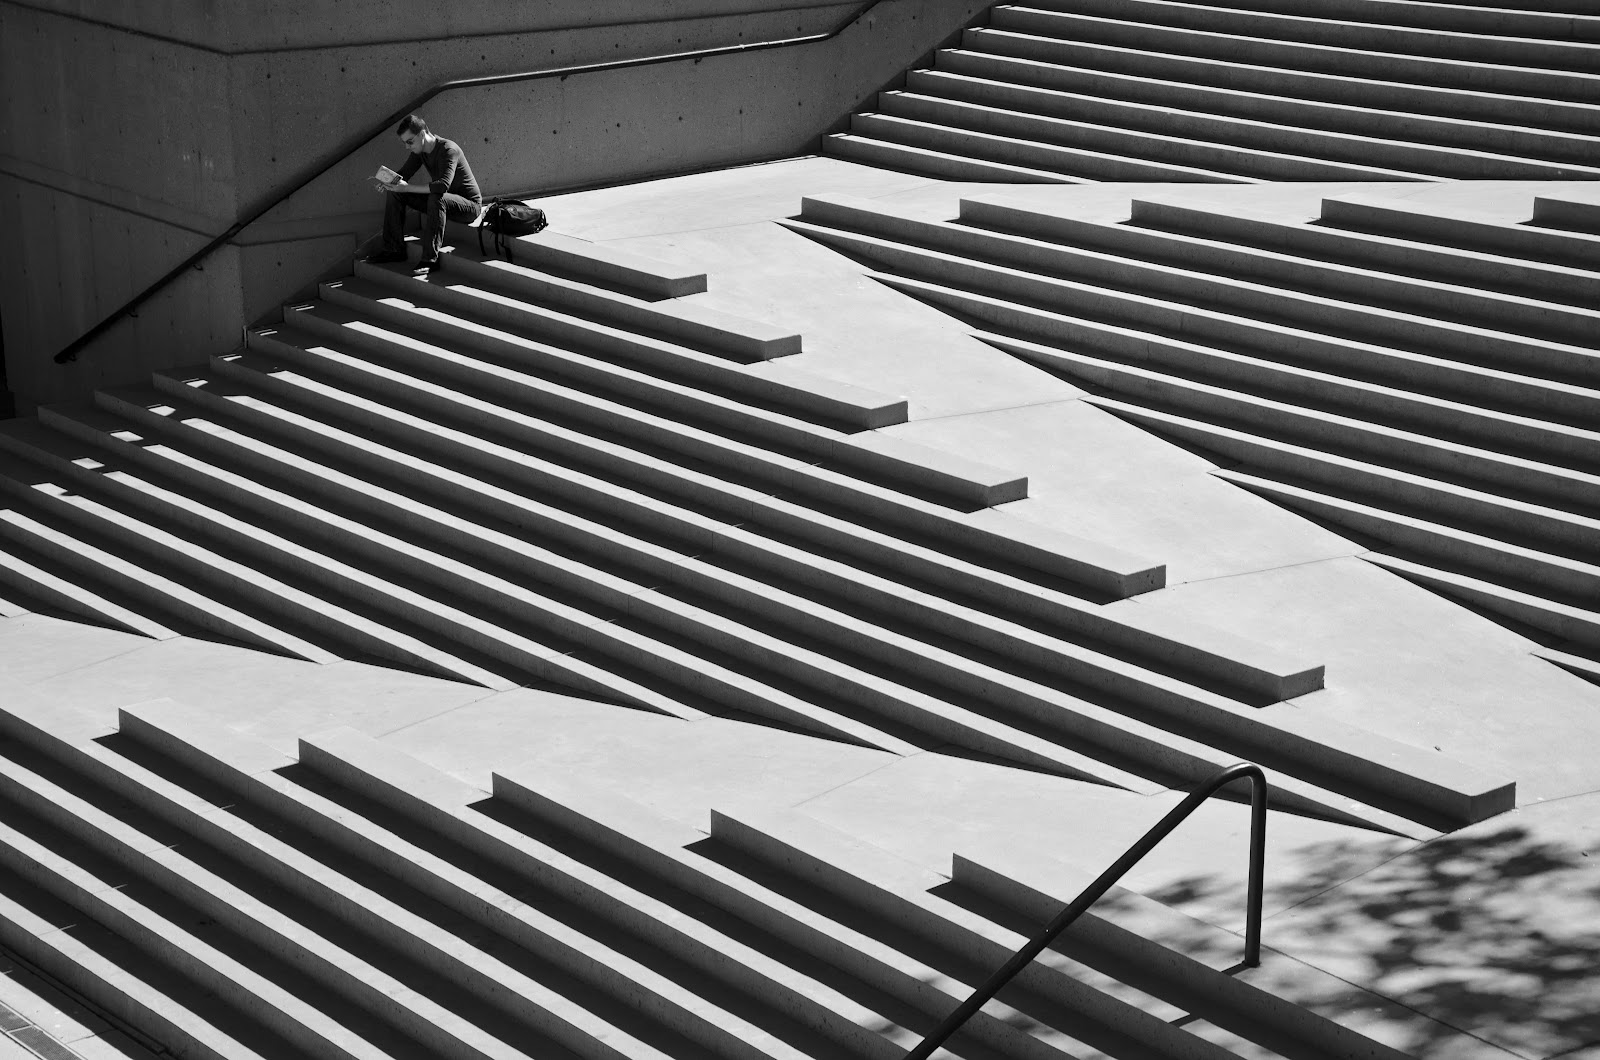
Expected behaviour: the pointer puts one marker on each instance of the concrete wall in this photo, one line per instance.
(133, 132)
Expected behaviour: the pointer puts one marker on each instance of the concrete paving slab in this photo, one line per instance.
(1416, 667)
(36, 647)
(1095, 476)
(1493, 929)
(274, 698)
(681, 769)
(854, 329)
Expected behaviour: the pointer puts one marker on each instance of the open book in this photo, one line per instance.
(388, 178)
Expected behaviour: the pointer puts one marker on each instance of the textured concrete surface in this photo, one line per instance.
(1490, 929)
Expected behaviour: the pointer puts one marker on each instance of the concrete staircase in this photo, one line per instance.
(1072, 91)
(519, 473)
(210, 895)
(1424, 382)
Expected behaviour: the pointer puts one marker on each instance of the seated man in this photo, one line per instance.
(451, 192)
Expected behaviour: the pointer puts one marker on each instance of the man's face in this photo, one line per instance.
(415, 142)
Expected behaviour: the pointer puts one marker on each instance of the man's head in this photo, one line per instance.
(413, 132)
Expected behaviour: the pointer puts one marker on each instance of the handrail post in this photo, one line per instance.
(1090, 894)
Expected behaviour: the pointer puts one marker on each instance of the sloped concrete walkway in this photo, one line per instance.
(1490, 929)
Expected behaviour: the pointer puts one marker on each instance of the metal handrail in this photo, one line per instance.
(70, 352)
(1064, 919)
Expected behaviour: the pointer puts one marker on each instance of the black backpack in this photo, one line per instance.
(508, 218)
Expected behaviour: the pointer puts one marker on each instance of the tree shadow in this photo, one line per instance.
(1495, 932)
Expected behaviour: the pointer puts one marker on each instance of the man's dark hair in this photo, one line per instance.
(413, 124)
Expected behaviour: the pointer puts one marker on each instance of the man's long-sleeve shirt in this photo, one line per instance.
(447, 167)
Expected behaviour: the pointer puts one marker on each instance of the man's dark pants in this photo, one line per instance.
(434, 208)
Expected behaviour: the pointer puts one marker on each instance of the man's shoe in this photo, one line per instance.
(427, 267)
(384, 257)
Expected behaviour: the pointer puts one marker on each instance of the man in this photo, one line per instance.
(451, 192)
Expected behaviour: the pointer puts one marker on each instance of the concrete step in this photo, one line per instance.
(949, 165)
(1413, 220)
(959, 699)
(120, 978)
(217, 550)
(1555, 211)
(1419, 261)
(1489, 19)
(1301, 140)
(996, 541)
(1029, 59)
(958, 676)
(669, 365)
(426, 856)
(1555, 528)
(1262, 397)
(39, 524)
(891, 900)
(1574, 624)
(603, 265)
(462, 990)
(576, 608)
(1042, 271)
(1282, 1003)
(1203, 38)
(1245, 249)
(685, 324)
(1528, 570)
(491, 357)
(30, 576)
(87, 862)
(637, 873)
(1563, 51)
(739, 567)
(1086, 162)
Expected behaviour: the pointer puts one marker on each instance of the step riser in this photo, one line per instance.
(1401, 142)
(153, 945)
(1100, 1014)
(1172, 139)
(887, 155)
(74, 597)
(499, 844)
(1492, 18)
(1508, 51)
(1481, 308)
(528, 394)
(902, 466)
(171, 610)
(1565, 625)
(1417, 67)
(1451, 552)
(1547, 246)
(1203, 326)
(671, 320)
(1480, 513)
(1321, 433)
(989, 50)
(1081, 161)
(1525, 280)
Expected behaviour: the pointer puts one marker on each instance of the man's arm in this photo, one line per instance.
(446, 174)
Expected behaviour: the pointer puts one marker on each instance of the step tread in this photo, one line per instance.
(606, 263)
(1210, 71)
(1179, 112)
(874, 151)
(1068, 157)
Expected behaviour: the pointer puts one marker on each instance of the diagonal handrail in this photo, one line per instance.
(351, 146)
(1063, 920)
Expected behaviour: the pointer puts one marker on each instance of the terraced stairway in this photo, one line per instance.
(1071, 91)
(508, 474)
(1425, 382)
(224, 902)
